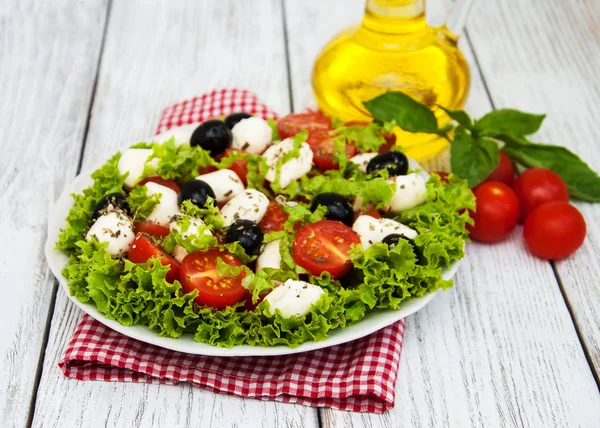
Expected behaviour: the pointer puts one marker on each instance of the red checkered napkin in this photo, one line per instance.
(358, 376)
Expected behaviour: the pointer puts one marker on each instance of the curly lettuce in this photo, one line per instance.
(382, 277)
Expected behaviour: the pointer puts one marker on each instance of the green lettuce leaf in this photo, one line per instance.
(107, 179)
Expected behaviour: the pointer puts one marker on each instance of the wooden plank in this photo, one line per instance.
(157, 53)
(546, 59)
(499, 349)
(48, 59)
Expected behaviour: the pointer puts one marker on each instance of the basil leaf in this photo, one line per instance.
(473, 159)
(583, 183)
(410, 115)
(459, 116)
(508, 121)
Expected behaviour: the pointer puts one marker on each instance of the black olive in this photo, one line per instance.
(197, 192)
(392, 240)
(248, 234)
(338, 208)
(353, 278)
(213, 136)
(234, 118)
(110, 202)
(395, 162)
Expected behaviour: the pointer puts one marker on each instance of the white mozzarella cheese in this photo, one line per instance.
(224, 182)
(116, 229)
(293, 298)
(195, 227)
(270, 256)
(292, 169)
(410, 192)
(363, 160)
(249, 204)
(181, 134)
(252, 135)
(372, 230)
(166, 208)
(132, 161)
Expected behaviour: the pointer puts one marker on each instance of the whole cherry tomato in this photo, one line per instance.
(554, 230)
(537, 186)
(496, 213)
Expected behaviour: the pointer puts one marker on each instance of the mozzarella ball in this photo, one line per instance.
(132, 162)
(252, 135)
(372, 230)
(166, 208)
(249, 204)
(293, 298)
(363, 160)
(181, 134)
(410, 192)
(116, 229)
(270, 256)
(292, 169)
(224, 182)
(195, 227)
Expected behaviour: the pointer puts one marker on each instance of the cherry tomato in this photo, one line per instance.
(369, 210)
(537, 186)
(496, 214)
(554, 230)
(274, 218)
(504, 172)
(443, 176)
(142, 249)
(151, 229)
(290, 125)
(323, 149)
(162, 181)
(206, 169)
(199, 272)
(324, 246)
(240, 167)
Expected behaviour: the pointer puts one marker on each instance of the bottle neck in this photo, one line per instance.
(395, 16)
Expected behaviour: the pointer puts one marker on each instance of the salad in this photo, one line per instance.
(245, 231)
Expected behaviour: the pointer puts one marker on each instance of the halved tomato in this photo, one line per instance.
(274, 218)
(290, 125)
(143, 249)
(324, 246)
(323, 147)
(162, 181)
(199, 272)
(151, 229)
(369, 210)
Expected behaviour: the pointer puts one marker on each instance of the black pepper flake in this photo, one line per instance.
(228, 193)
(403, 186)
(245, 146)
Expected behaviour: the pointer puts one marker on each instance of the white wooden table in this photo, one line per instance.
(516, 342)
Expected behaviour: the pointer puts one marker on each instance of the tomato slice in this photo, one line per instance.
(290, 125)
(274, 218)
(324, 246)
(162, 181)
(206, 169)
(143, 249)
(443, 176)
(240, 167)
(323, 147)
(151, 229)
(199, 272)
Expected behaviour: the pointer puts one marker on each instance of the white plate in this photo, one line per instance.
(57, 260)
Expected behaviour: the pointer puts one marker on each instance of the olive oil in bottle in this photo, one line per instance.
(393, 49)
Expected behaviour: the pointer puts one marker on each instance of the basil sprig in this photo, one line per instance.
(475, 145)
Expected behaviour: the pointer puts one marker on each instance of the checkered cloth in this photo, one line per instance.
(358, 376)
